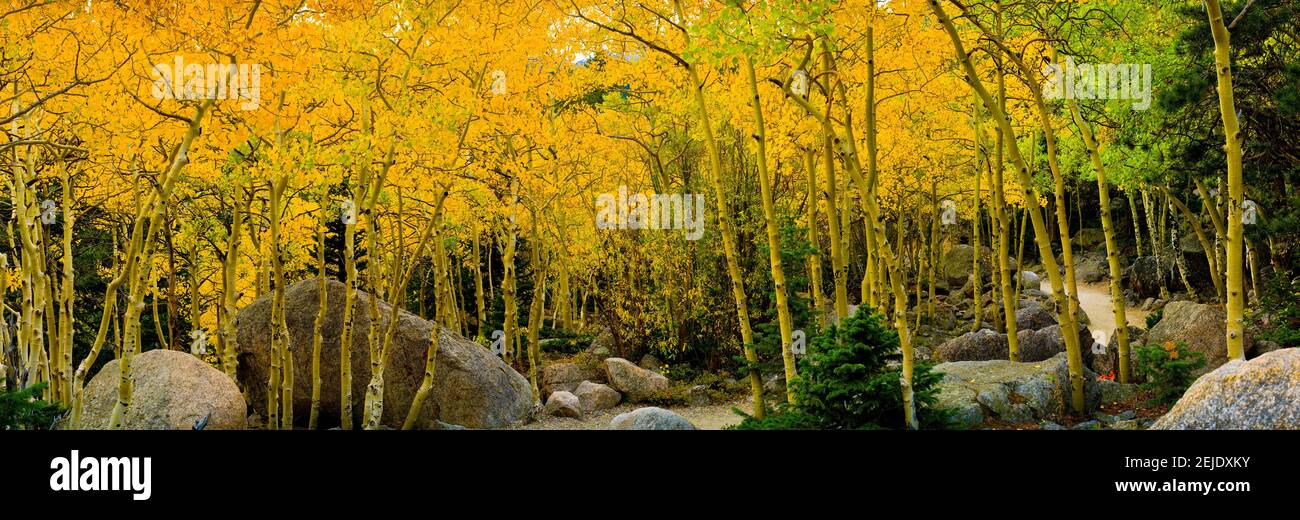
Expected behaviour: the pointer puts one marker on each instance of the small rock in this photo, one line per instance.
(595, 396)
(774, 382)
(1201, 326)
(650, 418)
(1029, 280)
(650, 362)
(698, 395)
(1049, 425)
(1114, 392)
(602, 345)
(564, 404)
(1087, 425)
(1126, 425)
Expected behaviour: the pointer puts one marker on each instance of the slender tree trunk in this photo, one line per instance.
(322, 307)
(1112, 249)
(478, 289)
(142, 242)
(727, 230)
(814, 257)
(773, 236)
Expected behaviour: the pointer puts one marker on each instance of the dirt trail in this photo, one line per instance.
(1094, 300)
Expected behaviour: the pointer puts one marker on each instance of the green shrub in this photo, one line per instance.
(23, 409)
(1154, 317)
(673, 396)
(850, 380)
(1168, 370)
(564, 342)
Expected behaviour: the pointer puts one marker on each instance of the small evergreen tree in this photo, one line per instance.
(851, 379)
(22, 409)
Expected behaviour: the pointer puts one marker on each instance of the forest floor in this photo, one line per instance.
(708, 417)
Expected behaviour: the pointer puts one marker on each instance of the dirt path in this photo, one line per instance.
(711, 417)
(1094, 300)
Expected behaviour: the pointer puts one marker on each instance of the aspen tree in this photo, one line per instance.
(508, 296)
(1195, 223)
(322, 307)
(773, 237)
(1028, 76)
(280, 386)
(1064, 315)
(1137, 223)
(1112, 250)
(1157, 245)
(67, 319)
(725, 224)
(873, 273)
(139, 255)
(1213, 258)
(839, 268)
(981, 160)
(401, 275)
(478, 288)
(345, 336)
(535, 309)
(872, 211)
(1003, 225)
(932, 254)
(435, 333)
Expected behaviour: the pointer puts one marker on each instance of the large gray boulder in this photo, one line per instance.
(173, 390)
(956, 264)
(978, 391)
(471, 387)
(1260, 394)
(1033, 316)
(633, 381)
(1035, 345)
(1201, 326)
(650, 418)
(983, 344)
(1091, 269)
(1088, 238)
(1145, 276)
